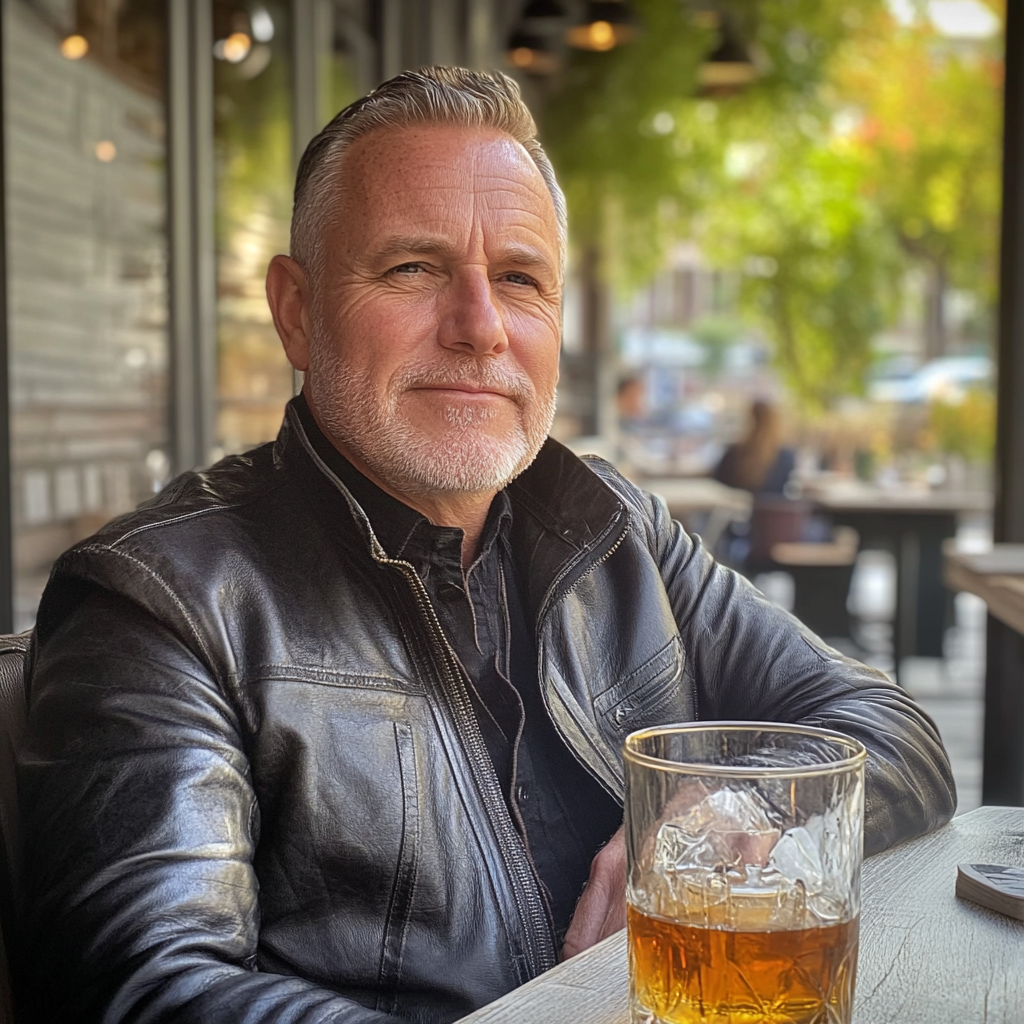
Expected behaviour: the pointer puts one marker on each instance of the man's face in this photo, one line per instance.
(435, 327)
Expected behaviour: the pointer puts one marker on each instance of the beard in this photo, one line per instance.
(464, 456)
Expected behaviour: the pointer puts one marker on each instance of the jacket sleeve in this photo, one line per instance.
(750, 660)
(140, 902)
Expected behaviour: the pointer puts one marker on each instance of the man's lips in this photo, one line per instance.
(469, 390)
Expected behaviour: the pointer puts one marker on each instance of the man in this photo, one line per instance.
(332, 731)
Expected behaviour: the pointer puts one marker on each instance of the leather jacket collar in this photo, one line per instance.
(562, 512)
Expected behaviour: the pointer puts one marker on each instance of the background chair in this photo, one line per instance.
(12, 725)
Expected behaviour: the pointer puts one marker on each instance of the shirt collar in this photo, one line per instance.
(402, 531)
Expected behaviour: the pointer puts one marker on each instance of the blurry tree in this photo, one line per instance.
(609, 129)
(632, 178)
(965, 427)
(861, 144)
(820, 265)
(925, 117)
(716, 333)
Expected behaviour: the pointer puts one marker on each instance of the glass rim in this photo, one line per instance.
(854, 760)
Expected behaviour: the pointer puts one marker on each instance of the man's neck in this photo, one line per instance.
(465, 511)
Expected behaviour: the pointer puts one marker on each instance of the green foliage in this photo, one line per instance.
(929, 133)
(615, 167)
(820, 265)
(967, 427)
(716, 334)
(254, 154)
(822, 219)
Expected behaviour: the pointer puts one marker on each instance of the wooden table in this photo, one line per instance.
(996, 576)
(701, 504)
(925, 956)
(913, 525)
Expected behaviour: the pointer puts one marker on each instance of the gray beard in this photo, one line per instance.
(466, 459)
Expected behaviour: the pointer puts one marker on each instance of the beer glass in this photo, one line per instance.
(744, 846)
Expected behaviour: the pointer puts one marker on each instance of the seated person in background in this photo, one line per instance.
(332, 731)
(762, 464)
(759, 462)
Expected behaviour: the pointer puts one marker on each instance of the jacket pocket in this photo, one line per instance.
(403, 891)
(652, 693)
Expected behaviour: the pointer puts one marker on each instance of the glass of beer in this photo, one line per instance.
(744, 845)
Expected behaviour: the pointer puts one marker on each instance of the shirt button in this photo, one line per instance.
(450, 592)
(522, 794)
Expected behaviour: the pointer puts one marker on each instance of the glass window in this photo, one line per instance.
(253, 153)
(86, 213)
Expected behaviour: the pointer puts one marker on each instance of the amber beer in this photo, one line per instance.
(683, 974)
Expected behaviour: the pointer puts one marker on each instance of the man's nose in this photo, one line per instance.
(471, 318)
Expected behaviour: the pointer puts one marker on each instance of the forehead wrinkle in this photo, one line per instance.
(425, 244)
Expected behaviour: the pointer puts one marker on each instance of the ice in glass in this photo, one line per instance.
(744, 848)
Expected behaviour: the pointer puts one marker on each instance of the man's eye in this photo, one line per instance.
(517, 278)
(408, 268)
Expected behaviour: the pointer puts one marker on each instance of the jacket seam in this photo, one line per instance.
(179, 519)
(178, 603)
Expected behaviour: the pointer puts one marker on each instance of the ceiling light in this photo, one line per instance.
(530, 53)
(608, 24)
(728, 67)
(234, 49)
(74, 47)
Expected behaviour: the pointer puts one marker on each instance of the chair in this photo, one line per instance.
(12, 724)
(785, 537)
(822, 572)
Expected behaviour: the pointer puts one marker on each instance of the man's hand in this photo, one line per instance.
(601, 910)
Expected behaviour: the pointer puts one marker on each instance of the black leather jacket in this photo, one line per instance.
(253, 785)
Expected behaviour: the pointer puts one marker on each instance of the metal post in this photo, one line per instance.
(306, 63)
(480, 34)
(444, 33)
(6, 563)
(191, 210)
(1003, 765)
(391, 39)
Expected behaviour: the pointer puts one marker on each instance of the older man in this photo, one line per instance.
(331, 732)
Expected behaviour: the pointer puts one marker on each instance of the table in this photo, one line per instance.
(913, 524)
(925, 956)
(702, 504)
(996, 576)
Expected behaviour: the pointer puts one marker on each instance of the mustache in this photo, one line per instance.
(466, 371)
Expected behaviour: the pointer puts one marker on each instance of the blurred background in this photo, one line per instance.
(783, 309)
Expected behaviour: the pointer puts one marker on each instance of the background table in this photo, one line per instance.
(997, 576)
(701, 504)
(925, 956)
(912, 524)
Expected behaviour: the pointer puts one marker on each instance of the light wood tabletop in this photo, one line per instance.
(996, 576)
(686, 495)
(856, 496)
(925, 955)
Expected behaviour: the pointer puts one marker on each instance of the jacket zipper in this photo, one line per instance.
(546, 604)
(541, 955)
(548, 597)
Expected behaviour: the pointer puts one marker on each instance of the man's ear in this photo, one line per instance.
(289, 297)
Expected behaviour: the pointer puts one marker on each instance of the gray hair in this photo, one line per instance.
(455, 97)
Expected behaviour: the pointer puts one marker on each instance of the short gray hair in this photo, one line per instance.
(455, 97)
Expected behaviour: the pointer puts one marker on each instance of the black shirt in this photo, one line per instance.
(563, 814)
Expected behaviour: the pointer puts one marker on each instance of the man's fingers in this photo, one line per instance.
(601, 910)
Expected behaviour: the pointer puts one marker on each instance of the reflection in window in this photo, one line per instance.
(253, 152)
(254, 148)
(86, 212)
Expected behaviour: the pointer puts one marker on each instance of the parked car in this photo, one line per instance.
(946, 378)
